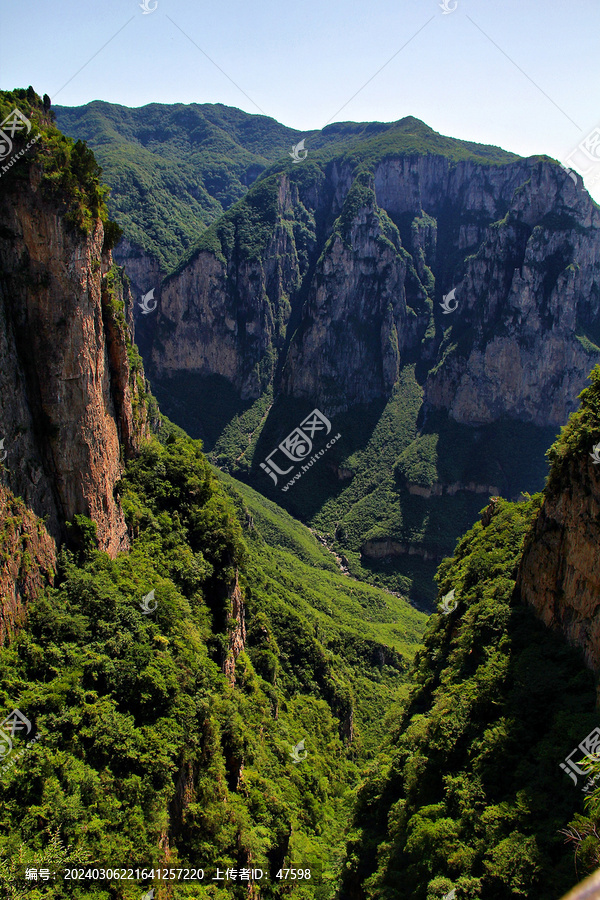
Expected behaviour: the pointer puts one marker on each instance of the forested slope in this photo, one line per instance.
(468, 793)
(166, 737)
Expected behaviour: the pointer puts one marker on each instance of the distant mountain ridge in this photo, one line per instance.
(191, 162)
(324, 286)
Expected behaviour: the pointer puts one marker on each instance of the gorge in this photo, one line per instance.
(215, 683)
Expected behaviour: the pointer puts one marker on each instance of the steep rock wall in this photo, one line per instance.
(67, 398)
(559, 574)
(356, 264)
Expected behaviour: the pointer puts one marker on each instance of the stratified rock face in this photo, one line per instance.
(559, 573)
(27, 560)
(355, 323)
(66, 413)
(527, 297)
(521, 246)
(358, 262)
(142, 269)
(226, 316)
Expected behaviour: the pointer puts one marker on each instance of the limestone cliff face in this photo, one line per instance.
(227, 316)
(527, 299)
(70, 408)
(355, 265)
(559, 574)
(356, 323)
(143, 270)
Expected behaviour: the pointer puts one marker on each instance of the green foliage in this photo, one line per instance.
(468, 792)
(70, 171)
(143, 737)
(578, 436)
(194, 162)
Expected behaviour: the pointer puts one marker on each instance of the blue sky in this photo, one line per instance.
(517, 73)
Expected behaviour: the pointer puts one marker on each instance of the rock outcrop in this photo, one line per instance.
(236, 630)
(72, 402)
(228, 315)
(334, 277)
(559, 574)
(27, 561)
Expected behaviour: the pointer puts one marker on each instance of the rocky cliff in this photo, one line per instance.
(354, 256)
(559, 574)
(72, 389)
(27, 561)
(438, 299)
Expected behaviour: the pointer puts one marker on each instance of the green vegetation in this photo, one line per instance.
(174, 169)
(578, 436)
(468, 793)
(71, 174)
(195, 161)
(144, 739)
(404, 481)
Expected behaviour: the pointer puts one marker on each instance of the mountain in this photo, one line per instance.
(470, 792)
(324, 288)
(435, 299)
(173, 169)
(200, 679)
(197, 681)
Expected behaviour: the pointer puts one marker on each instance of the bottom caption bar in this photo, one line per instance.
(147, 874)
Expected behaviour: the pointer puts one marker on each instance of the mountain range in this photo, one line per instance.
(435, 299)
(224, 674)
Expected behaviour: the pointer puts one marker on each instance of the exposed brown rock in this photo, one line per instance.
(27, 561)
(559, 574)
(236, 631)
(66, 403)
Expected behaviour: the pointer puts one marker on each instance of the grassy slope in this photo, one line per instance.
(355, 618)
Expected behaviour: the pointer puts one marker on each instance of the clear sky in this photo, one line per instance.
(522, 74)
